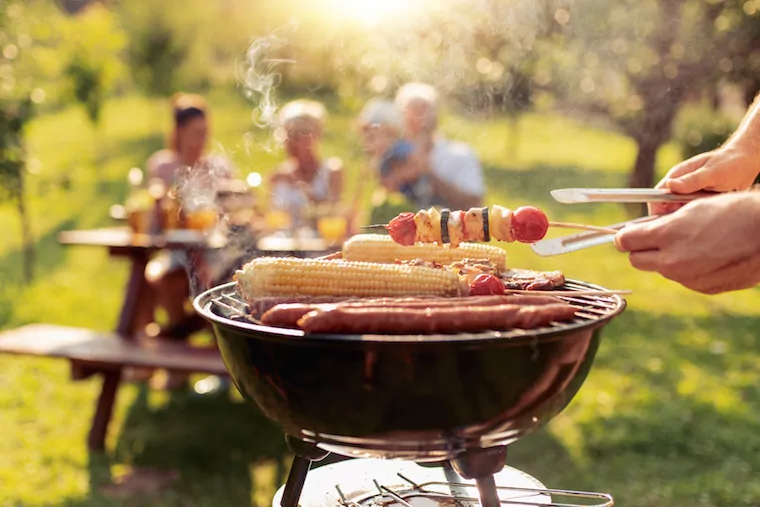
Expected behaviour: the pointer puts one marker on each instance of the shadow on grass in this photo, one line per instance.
(48, 254)
(212, 443)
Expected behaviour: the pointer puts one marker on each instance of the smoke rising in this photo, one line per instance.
(467, 49)
(258, 77)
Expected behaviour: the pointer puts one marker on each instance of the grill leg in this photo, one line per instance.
(304, 455)
(296, 479)
(96, 440)
(482, 465)
(489, 495)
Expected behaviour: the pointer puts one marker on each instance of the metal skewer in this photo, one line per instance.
(562, 225)
(375, 226)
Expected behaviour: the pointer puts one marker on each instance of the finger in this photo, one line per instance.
(676, 172)
(664, 208)
(647, 260)
(736, 276)
(638, 237)
(687, 166)
(692, 182)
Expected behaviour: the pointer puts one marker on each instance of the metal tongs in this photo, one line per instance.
(624, 195)
(580, 241)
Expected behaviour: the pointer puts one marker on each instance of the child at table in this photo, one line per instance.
(381, 126)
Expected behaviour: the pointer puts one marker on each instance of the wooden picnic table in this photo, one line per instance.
(138, 249)
(107, 354)
(134, 349)
(275, 245)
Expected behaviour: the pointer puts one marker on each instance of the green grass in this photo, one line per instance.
(668, 415)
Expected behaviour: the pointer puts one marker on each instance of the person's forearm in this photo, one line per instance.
(455, 198)
(747, 134)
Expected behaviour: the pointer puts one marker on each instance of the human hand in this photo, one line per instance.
(401, 174)
(710, 245)
(731, 167)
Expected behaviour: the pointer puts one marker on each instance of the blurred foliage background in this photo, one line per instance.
(550, 93)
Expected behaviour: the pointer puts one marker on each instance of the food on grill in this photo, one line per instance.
(523, 279)
(382, 248)
(461, 319)
(417, 295)
(282, 276)
(288, 314)
(526, 225)
(259, 305)
(484, 285)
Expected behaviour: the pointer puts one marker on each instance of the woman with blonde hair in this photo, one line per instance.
(304, 179)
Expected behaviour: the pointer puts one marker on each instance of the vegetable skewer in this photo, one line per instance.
(526, 224)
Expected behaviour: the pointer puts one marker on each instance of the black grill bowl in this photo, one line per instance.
(411, 397)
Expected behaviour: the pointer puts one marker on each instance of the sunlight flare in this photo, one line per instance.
(373, 12)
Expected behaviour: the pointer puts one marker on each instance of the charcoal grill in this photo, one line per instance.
(449, 398)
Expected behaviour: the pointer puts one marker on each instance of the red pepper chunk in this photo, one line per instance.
(486, 285)
(403, 230)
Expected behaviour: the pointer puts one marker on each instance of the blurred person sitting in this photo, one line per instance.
(186, 143)
(185, 163)
(304, 179)
(455, 177)
(381, 126)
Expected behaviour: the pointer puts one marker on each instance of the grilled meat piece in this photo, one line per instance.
(523, 279)
(420, 262)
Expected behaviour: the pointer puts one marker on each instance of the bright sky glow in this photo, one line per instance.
(373, 12)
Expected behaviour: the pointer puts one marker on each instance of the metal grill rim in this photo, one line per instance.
(225, 305)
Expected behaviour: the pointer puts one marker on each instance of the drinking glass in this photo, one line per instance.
(332, 228)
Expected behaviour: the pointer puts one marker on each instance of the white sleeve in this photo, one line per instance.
(458, 166)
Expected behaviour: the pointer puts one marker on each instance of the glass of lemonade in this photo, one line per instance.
(202, 219)
(277, 220)
(332, 228)
(332, 224)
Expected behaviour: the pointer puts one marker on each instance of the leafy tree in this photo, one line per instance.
(93, 42)
(636, 61)
(187, 44)
(477, 53)
(15, 113)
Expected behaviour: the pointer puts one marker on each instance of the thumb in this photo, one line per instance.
(690, 183)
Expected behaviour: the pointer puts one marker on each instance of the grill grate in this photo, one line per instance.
(467, 494)
(590, 308)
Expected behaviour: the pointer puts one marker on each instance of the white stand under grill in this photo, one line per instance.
(356, 480)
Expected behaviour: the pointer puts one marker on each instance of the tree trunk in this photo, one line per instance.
(26, 230)
(643, 171)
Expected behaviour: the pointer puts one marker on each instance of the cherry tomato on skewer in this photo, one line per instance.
(403, 230)
(529, 224)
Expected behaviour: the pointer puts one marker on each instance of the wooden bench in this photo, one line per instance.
(107, 353)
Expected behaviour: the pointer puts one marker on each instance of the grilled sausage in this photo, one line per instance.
(531, 317)
(288, 314)
(343, 319)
